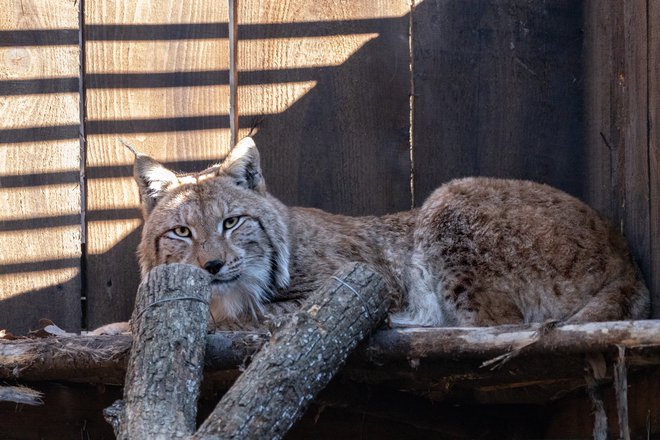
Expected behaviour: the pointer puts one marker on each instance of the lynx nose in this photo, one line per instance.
(214, 266)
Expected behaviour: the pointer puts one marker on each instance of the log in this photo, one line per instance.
(94, 359)
(169, 324)
(301, 358)
(487, 342)
(103, 359)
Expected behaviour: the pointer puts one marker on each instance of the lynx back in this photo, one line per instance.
(478, 252)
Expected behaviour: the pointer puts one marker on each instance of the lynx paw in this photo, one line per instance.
(116, 328)
(406, 319)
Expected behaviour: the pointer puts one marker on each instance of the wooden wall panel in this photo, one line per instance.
(598, 62)
(40, 244)
(156, 76)
(497, 92)
(617, 108)
(654, 148)
(331, 79)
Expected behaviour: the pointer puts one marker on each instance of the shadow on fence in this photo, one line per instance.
(345, 146)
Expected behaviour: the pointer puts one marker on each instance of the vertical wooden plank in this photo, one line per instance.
(331, 79)
(232, 11)
(654, 148)
(597, 104)
(631, 98)
(497, 91)
(617, 108)
(39, 164)
(156, 76)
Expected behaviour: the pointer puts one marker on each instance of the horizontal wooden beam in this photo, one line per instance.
(415, 359)
(486, 342)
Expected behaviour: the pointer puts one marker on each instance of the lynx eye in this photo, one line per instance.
(230, 223)
(182, 231)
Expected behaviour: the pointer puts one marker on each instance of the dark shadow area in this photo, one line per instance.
(36, 266)
(68, 220)
(73, 177)
(156, 125)
(117, 276)
(72, 411)
(21, 313)
(154, 80)
(498, 92)
(343, 146)
(186, 31)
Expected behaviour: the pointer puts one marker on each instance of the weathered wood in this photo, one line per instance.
(232, 18)
(167, 357)
(621, 392)
(103, 358)
(616, 108)
(485, 342)
(20, 394)
(302, 357)
(333, 84)
(156, 75)
(654, 149)
(97, 359)
(497, 92)
(39, 221)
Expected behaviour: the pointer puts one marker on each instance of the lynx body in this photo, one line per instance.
(478, 252)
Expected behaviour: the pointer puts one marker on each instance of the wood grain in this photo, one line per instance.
(631, 112)
(617, 110)
(497, 92)
(331, 79)
(597, 104)
(654, 149)
(156, 76)
(40, 240)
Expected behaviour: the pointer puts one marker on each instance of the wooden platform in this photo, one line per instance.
(403, 383)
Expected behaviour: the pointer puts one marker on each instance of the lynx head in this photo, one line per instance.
(222, 220)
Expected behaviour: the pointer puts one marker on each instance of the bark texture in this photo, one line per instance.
(103, 359)
(301, 358)
(167, 356)
(485, 342)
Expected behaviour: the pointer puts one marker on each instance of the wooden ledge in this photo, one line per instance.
(439, 363)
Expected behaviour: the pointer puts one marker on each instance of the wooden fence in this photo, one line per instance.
(368, 105)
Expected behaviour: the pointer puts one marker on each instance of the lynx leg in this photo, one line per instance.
(618, 300)
(116, 328)
(422, 308)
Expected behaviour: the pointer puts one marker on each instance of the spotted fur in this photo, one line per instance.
(478, 252)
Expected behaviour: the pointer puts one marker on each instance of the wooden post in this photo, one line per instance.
(301, 358)
(167, 357)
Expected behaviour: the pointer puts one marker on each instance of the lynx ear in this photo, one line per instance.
(242, 164)
(153, 180)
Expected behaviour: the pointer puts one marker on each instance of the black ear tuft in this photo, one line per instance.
(153, 180)
(242, 164)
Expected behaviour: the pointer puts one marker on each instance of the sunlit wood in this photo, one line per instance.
(39, 262)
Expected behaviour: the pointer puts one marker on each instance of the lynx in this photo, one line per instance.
(479, 252)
